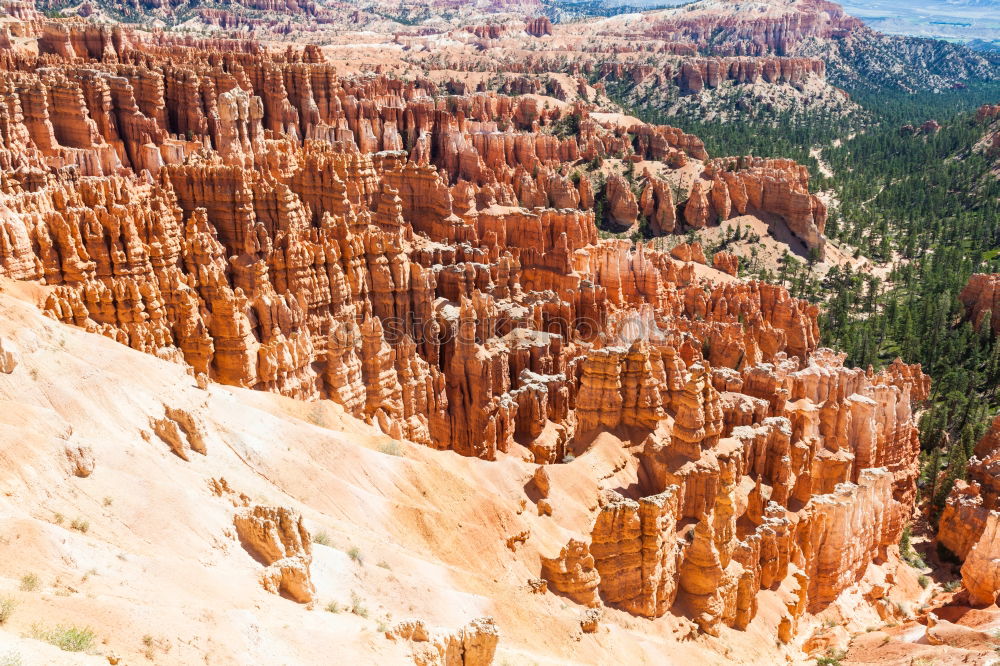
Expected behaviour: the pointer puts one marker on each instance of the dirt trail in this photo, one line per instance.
(824, 167)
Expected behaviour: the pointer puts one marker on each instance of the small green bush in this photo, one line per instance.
(10, 659)
(333, 607)
(924, 581)
(355, 554)
(30, 582)
(357, 605)
(322, 538)
(906, 551)
(7, 606)
(80, 525)
(390, 448)
(831, 658)
(69, 639)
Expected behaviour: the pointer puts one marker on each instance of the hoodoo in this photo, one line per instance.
(405, 342)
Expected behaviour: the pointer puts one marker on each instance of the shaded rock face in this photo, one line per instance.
(980, 573)
(981, 298)
(182, 432)
(726, 262)
(9, 356)
(772, 187)
(623, 207)
(970, 510)
(474, 644)
(572, 573)
(80, 459)
(971, 501)
(276, 537)
(538, 26)
(693, 75)
(990, 144)
(636, 554)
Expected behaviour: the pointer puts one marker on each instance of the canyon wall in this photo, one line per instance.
(432, 264)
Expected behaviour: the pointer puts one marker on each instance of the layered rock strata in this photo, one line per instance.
(784, 471)
(431, 263)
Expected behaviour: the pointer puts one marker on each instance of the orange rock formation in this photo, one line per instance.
(981, 298)
(968, 525)
(431, 264)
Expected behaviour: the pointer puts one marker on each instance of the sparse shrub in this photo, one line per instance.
(923, 581)
(831, 658)
(58, 518)
(355, 554)
(357, 605)
(80, 525)
(107, 501)
(322, 538)
(30, 582)
(906, 551)
(152, 645)
(69, 639)
(333, 607)
(384, 565)
(952, 585)
(7, 606)
(390, 448)
(10, 659)
(382, 626)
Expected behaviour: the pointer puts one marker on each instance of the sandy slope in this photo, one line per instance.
(160, 562)
(161, 577)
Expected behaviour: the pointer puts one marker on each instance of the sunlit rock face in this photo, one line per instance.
(432, 264)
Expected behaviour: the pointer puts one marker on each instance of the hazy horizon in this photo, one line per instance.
(954, 20)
